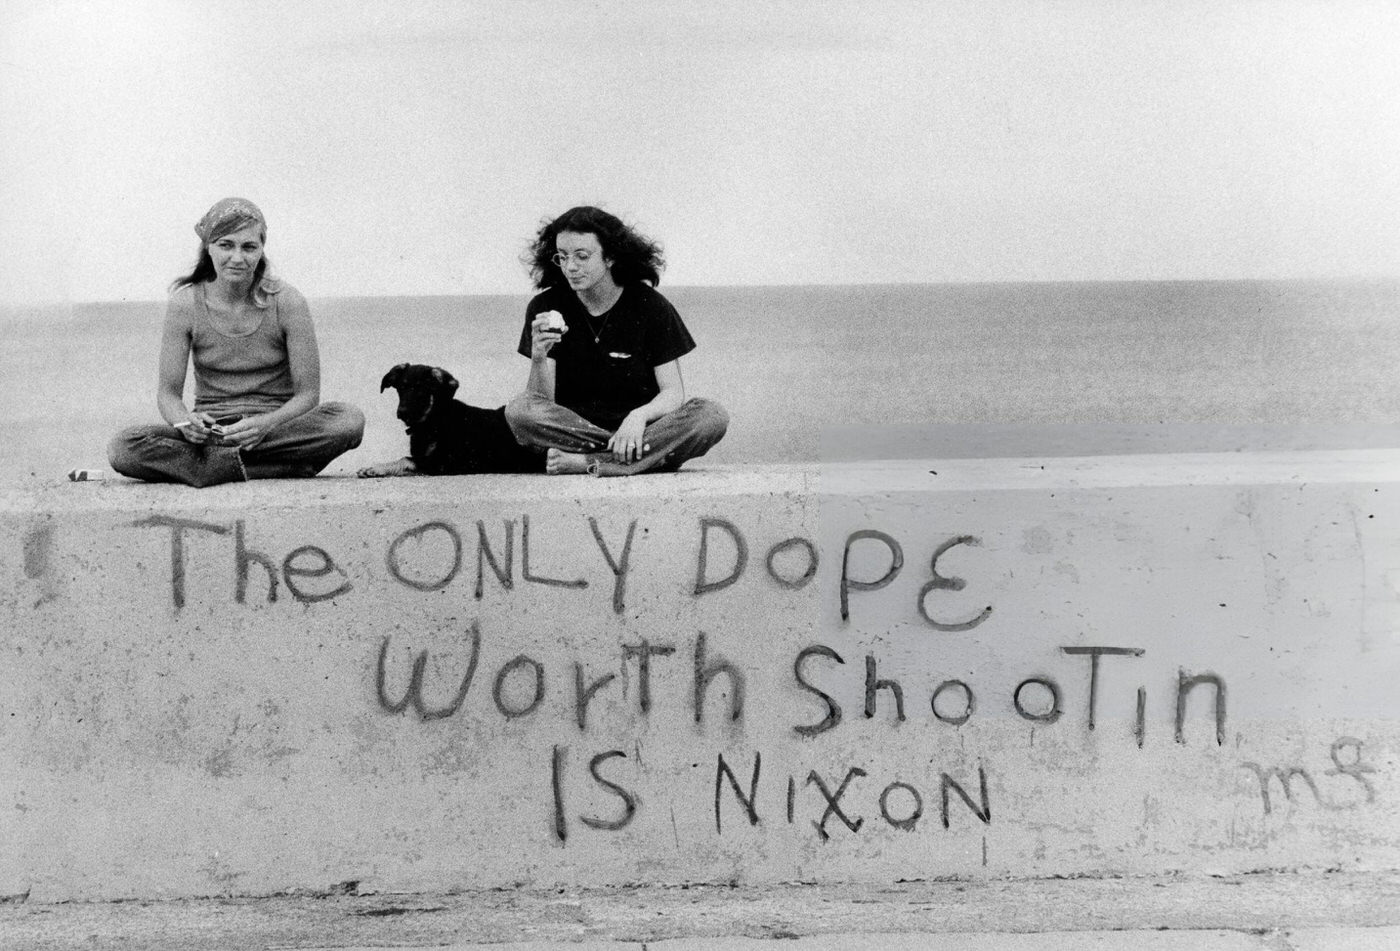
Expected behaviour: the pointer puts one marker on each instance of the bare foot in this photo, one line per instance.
(558, 462)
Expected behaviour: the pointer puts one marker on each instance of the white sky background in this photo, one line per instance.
(412, 148)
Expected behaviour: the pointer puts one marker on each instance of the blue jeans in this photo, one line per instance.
(684, 433)
(297, 449)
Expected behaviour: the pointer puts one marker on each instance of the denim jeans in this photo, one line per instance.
(684, 433)
(297, 449)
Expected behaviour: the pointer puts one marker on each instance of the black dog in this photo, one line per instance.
(445, 435)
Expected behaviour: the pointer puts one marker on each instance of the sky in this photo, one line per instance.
(413, 148)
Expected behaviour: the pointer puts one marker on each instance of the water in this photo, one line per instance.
(823, 372)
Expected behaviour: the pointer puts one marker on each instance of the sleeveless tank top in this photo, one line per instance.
(245, 373)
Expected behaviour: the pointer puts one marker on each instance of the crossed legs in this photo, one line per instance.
(299, 448)
(685, 433)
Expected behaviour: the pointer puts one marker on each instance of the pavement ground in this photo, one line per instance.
(1268, 911)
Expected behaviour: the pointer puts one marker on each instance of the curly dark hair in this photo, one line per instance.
(634, 256)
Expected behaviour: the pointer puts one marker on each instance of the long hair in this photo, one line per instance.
(634, 256)
(204, 272)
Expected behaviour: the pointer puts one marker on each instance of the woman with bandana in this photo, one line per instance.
(257, 372)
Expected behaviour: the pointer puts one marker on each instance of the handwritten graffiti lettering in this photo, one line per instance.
(243, 558)
(414, 694)
(502, 566)
(714, 678)
(706, 672)
(393, 560)
(710, 578)
(560, 682)
(969, 703)
(909, 822)
(833, 709)
(556, 785)
(940, 583)
(873, 684)
(435, 577)
(707, 668)
(644, 652)
(849, 584)
(1356, 769)
(982, 811)
(308, 561)
(1051, 713)
(1185, 684)
(431, 556)
(937, 582)
(900, 803)
(525, 563)
(498, 689)
(558, 763)
(722, 772)
(583, 694)
(1094, 653)
(1038, 698)
(703, 584)
(485, 555)
(178, 527)
(833, 802)
(1283, 776)
(303, 562)
(777, 553)
(629, 801)
(618, 565)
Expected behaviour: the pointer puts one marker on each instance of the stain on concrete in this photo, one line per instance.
(38, 548)
(397, 910)
(219, 764)
(218, 870)
(1037, 541)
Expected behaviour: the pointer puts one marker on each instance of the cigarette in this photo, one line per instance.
(183, 423)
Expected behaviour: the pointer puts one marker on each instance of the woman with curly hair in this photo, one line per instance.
(605, 394)
(257, 371)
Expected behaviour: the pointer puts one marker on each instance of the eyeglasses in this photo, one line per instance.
(578, 257)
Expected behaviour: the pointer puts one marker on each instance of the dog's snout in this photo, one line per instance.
(414, 406)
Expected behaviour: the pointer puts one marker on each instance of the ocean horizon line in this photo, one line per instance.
(15, 309)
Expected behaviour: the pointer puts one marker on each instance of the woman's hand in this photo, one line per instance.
(247, 432)
(626, 444)
(545, 331)
(196, 427)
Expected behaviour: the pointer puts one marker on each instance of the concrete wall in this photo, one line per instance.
(1112, 666)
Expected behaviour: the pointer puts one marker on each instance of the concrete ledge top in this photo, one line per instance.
(867, 477)
(1124, 471)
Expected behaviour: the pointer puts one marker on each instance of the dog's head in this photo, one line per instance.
(421, 390)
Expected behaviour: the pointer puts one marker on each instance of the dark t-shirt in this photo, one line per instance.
(606, 380)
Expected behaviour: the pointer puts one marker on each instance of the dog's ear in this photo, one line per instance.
(393, 378)
(446, 382)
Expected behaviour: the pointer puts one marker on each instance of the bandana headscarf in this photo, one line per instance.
(226, 217)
